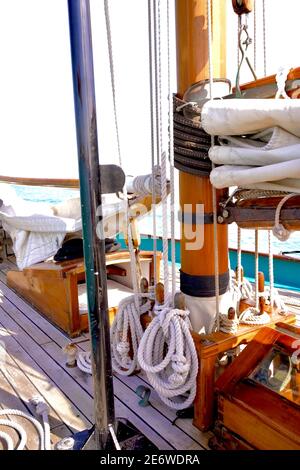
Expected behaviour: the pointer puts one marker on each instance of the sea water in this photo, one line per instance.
(56, 195)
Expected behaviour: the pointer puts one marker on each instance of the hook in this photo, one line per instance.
(243, 46)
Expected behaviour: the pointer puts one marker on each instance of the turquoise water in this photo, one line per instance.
(56, 195)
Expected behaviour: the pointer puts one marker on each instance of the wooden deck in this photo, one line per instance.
(35, 365)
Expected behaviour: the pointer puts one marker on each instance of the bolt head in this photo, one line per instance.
(65, 444)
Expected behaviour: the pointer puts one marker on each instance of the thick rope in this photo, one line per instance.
(168, 355)
(252, 317)
(84, 362)
(42, 409)
(279, 231)
(145, 185)
(247, 194)
(126, 334)
(227, 325)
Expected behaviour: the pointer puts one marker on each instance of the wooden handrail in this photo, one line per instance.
(51, 182)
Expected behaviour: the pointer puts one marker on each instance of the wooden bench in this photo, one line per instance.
(54, 288)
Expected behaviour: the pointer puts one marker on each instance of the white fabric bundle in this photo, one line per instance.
(266, 148)
(268, 158)
(244, 176)
(241, 117)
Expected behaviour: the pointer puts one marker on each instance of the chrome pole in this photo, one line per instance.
(90, 193)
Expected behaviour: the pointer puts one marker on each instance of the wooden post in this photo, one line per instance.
(193, 65)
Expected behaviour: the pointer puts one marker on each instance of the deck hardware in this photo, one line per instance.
(144, 393)
(188, 413)
(65, 444)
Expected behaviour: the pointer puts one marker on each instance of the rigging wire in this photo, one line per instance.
(152, 74)
(160, 153)
(255, 36)
(171, 157)
(133, 259)
(214, 191)
(264, 36)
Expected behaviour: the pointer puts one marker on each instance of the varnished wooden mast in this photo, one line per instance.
(193, 65)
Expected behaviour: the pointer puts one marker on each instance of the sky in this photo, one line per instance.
(36, 98)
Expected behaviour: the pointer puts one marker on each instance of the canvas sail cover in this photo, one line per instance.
(259, 143)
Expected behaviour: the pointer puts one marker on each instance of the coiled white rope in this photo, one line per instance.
(42, 409)
(251, 316)
(127, 327)
(228, 325)
(168, 355)
(84, 362)
(144, 185)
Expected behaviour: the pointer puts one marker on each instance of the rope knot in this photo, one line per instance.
(281, 233)
(180, 364)
(176, 379)
(123, 348)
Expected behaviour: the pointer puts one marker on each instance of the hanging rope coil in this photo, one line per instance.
(168, 355)
(279, 231)
(126, 334)
(42, 409)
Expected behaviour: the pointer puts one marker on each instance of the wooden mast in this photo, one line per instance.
(193, 66)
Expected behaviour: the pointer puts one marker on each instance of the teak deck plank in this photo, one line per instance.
(67, 412)
(130, 399)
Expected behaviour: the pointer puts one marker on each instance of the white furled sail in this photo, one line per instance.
(253, 154)
(241, 117)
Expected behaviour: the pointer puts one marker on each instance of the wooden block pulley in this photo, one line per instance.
(242, 7)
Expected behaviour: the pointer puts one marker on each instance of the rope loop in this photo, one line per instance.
(168, 355)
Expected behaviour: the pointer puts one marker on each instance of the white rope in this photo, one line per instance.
(214, 192)
(171, 159)
(293, 301)
(154, 157)
(279, 231)
(271, 268)
(127, 327)
(164, 197)
(281, 79)
(42, 409)
(239, 256)
(264, 36)
(84, 362)
(251, 316)
(144, 185)
(168, 355)
(229, 326)
(256, 270)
